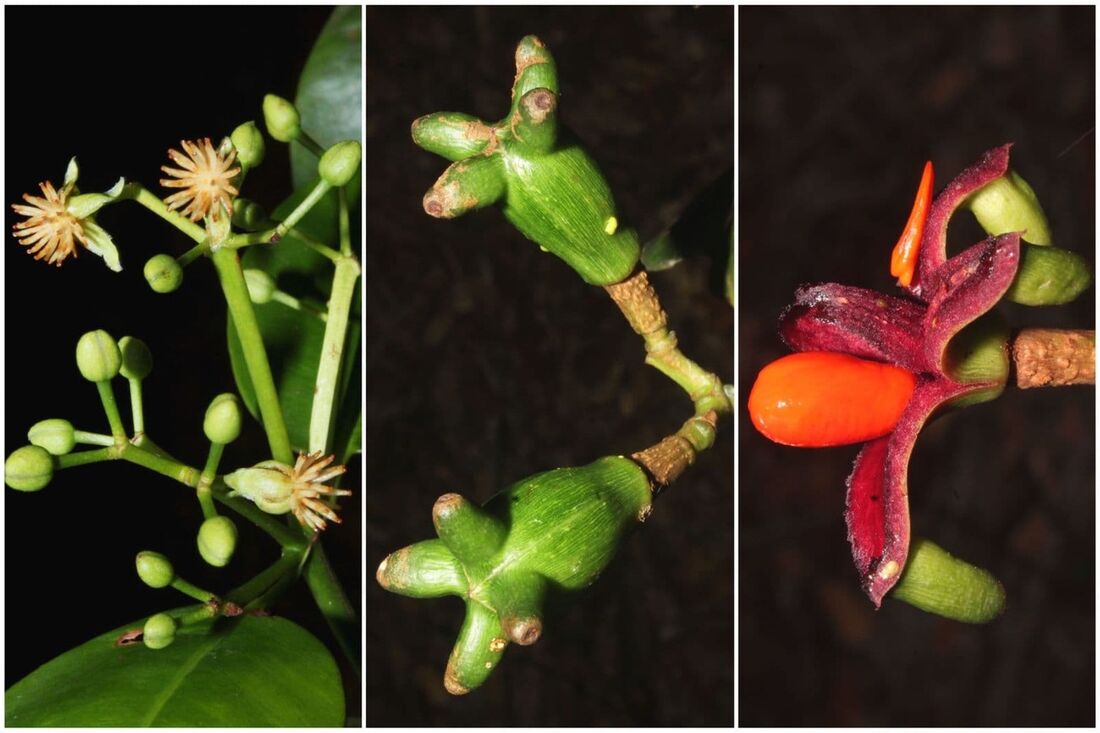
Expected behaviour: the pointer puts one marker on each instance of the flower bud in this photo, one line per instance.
(937, 582)
(154, 569)
(137, 360)
(260, 286)
(217, 540)
(248, 215)
(340, 162)
(163, 273)
(269, 488)
(29, 468)
(56, 436)
(222, 423)
(98, 356)
(249, 143)
(159, 631)
(1049, 276)
(979, 353)
(282, 119)
(1008, 204)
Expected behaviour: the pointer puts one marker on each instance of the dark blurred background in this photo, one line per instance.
(489, 361)
(839, 109)
(87, 82)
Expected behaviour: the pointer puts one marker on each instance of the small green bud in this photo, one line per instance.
(222, 423)
(160, 631)
(154, 569)
(249, 143)
(217, 540)
(137, 360)
(340, 162)
(260, 286)
(979, 353)
(1049, 276)
(29, 468)
(56, 436)
(940, 583)
(98, 356)
(1008, 204)
(249, 215)
(163, 273)
(282, 119)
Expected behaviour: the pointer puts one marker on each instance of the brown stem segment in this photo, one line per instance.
(666, 460)
(1050, 357)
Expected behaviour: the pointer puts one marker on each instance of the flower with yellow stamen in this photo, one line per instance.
(204, 177)
(277, 488)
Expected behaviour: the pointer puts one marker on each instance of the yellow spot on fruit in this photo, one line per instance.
(497, 645)
(610, 225)
(888, 570)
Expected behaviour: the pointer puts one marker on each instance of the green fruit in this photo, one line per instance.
(137, 360)
(1008, 204)
(1049, 276)
(249, 143)
(222, 423)
(163, 273)
(937, 582)
(217, 540)
(98, 357)
(154, 569)
(56, 436)
(29, 468)
(159, 631)
(281, 118)
(340, 162)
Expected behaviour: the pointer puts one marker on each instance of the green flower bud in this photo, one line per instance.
(282, 119)
(154, 569)
(249, 215)
(1049, 276)
(264, 484)
(222, 423)
(56, 436)
(163, 273)
(98, 356)
(260, 286)
(1008, 204)
(340, 162)
(160, 631)
(137, 360)
(249, 143)
(217, 540)
(937, 582)
(29, 468)
(979, 353)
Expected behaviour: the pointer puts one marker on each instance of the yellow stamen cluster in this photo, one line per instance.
(204, 177)
(50, 230)
(309, 474)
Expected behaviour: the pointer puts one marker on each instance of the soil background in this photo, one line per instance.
(117, 87)
(489, 361)
(839, 109)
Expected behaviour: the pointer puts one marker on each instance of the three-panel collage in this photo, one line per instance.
(712, 365)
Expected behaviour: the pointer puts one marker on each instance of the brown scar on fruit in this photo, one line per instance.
(524, 631)
(497, 645)
(444, 200)
(400, 561)
(525, 60)
(445, 506)
(450, 680)
(539, 105)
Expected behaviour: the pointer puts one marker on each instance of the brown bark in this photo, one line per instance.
(1048, 357)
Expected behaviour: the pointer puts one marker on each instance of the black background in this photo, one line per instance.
(489, 361)
(839, 109)
(116, 87)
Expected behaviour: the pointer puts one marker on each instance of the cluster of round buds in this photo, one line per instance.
(277, 488)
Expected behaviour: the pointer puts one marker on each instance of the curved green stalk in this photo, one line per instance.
(137, 192)
(332, 354)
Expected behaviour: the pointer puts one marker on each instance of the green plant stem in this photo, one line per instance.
(83, 458)
(193, 254)
(253, 588)
(205, 612)
(295, 304)
(255, 355)
(345, 221)
(87, 438)
(306, 140)
(332, 354)
(203, 596)
(138, 193)
(319, 190)
(206, 480)
(107, 397)
(333, 603)
(136, 406)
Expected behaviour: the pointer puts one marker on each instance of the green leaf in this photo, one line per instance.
(251, 671)
(330, 93)
(705, 228)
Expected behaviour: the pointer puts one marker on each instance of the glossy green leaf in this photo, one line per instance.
(330, 93)
(252, 671)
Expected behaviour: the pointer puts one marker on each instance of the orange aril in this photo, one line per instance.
(817, 399)
(903, 262)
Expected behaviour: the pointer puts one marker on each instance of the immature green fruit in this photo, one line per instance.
(137, 360)
(249, 215)
(217, 540)
(339, 163)
(159, 632)
(979, 353)
(29, 468)
(548, 186)
(556, 529)
(222, 423)
(260, 286)
(98, 357)
(1049, 276)
(56, 436)
(282, 119)
(163, 273)
(249, 142)
(154, 569)
(1008, 204)
(937, 582)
